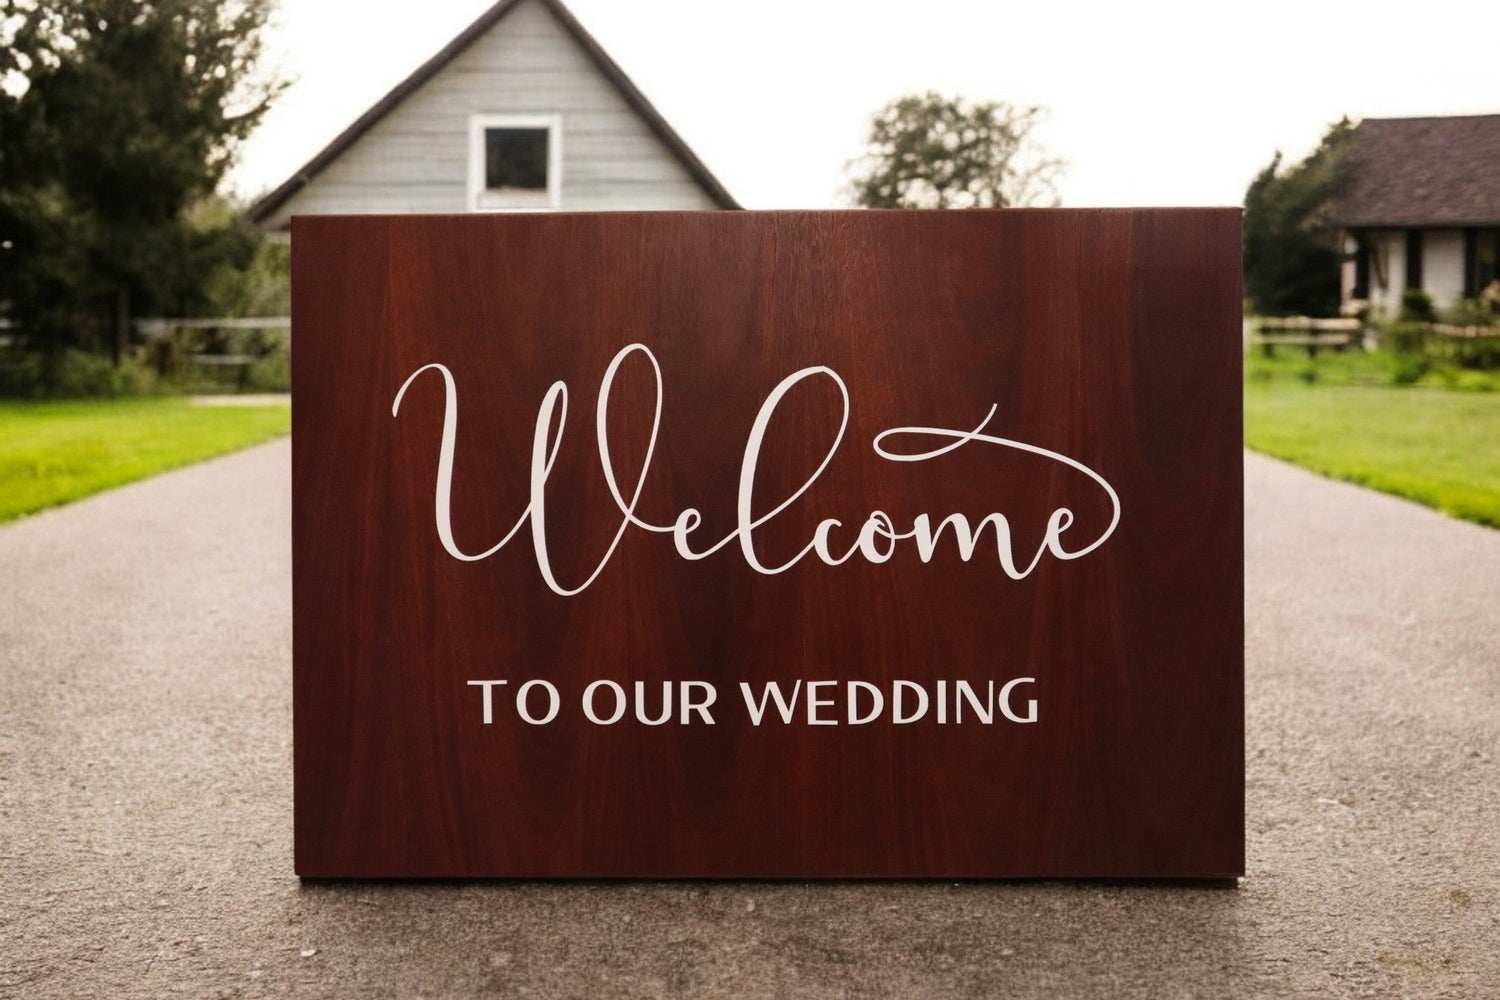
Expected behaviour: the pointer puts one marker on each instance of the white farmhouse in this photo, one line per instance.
(522, 111)
(1421, 209)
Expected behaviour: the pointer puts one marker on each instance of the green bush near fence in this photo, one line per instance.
(1355, 366)
(202, 362)
(222, 360)
(76, 375)
(1457, 347)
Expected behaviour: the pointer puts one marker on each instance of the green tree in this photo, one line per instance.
(260, 286)
(117, 118)
(1292, 250)
(931, 151)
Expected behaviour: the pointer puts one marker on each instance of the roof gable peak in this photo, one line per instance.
(268, 204)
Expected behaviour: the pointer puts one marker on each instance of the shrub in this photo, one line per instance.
(1471, 312)
(1474, 381)
(73, 374)
(1416, 305)
(1405, 336)
(272, 373)
(20, 374)
(1408, 369)
(81, 374)
(1477, 352)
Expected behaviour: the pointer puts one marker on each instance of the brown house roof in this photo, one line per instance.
(1423, 172)
(264, 207)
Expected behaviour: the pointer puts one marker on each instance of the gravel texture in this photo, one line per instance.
(145, 797)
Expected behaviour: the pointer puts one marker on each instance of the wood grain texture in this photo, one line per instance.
(1109, 336)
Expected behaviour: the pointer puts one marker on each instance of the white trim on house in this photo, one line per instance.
(484, 200)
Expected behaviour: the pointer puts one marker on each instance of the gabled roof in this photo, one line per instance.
(1421, 172)
(267, 205)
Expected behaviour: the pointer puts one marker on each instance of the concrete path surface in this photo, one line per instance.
(145, 797)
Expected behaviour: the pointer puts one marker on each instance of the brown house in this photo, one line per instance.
(1421, 209)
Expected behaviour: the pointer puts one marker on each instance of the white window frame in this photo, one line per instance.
(481, 199)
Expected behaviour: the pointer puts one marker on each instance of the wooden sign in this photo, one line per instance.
(810, 544)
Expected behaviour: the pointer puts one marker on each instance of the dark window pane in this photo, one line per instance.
(1414, 258)
(1361, 267)
(1487, 259)
(515, 158)
(1471, 248)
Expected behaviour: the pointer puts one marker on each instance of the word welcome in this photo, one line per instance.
(822, 703)
(878, 536)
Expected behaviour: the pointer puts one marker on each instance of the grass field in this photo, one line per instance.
(53, 453)
(1337, 415)
(1439, 447)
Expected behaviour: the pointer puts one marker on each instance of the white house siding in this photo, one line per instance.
(1442, 268)
(1443, 265)
(1387, 269)
(415, 159)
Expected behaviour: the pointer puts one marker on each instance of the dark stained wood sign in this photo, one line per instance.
(808, 544)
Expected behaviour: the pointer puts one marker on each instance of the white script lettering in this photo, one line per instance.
(877, 539)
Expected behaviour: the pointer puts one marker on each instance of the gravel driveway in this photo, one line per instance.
(145, 797)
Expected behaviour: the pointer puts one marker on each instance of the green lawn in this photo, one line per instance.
(55, 452)
(1436, 446)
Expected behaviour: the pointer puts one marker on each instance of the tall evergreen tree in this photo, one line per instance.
(117, 117)
(1292, 250)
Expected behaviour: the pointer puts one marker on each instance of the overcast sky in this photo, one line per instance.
(1152, 102)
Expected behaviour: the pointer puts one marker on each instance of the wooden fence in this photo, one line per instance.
(1267, 332)
(212, 347)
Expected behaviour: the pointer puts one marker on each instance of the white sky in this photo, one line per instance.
(1153, 102)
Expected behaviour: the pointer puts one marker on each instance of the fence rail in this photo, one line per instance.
(217, 353)
(1470, 345)
(156, 328)
(1307, 323)
(1466, 332)
(1266, 332)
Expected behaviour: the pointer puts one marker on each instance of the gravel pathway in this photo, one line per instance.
(145, 797)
